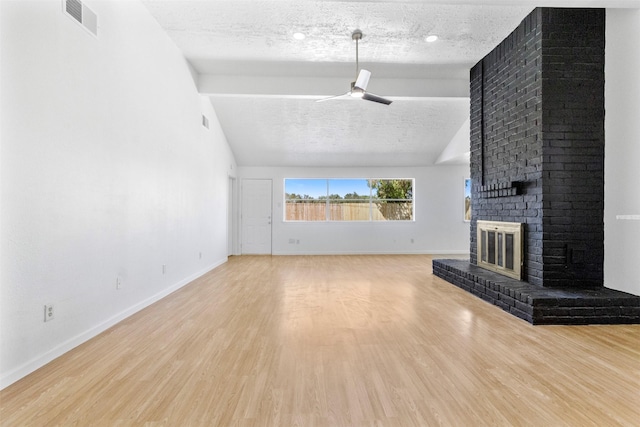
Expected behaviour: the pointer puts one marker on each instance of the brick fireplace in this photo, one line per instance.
(537, 158)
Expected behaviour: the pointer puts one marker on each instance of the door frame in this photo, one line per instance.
(241, 249)
(232, 217)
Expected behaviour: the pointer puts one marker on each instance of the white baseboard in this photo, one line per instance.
(25, 369)
(442, 253)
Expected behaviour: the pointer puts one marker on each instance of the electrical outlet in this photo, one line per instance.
(118, 283)
(164, 268)
(200, 255)
(48, 312)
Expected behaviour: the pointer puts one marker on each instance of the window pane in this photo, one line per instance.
(305, 188)
(393, 210)
(306, 210)
(393, 199)
(349, 210)
(399, 189)
(349, 188)
(349, 200)
(305, 199)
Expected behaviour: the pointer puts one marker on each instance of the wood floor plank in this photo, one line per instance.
(334, 341)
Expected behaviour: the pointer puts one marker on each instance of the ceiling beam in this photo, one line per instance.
(632, 4)
(209, 84)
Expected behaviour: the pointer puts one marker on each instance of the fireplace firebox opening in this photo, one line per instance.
(500, 247)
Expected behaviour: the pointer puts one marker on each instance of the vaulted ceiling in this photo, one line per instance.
(263, 82)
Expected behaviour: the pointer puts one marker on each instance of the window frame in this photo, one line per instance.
(371, 199)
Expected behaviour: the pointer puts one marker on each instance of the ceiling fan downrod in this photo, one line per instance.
(357, 35)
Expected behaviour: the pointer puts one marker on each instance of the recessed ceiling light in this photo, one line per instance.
(431, 38)
(298, 36)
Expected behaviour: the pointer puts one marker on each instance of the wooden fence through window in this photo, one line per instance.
(316, 211)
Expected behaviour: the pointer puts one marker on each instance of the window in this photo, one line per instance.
(467, 199)
(348, 199)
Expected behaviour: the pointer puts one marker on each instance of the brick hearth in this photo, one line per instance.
(541, 305)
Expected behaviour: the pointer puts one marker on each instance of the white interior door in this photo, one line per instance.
(256, 216)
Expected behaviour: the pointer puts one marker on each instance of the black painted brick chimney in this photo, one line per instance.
(537, 125)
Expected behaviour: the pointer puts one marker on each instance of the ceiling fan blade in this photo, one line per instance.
(363, 79)
(344, 95)
(375, 98)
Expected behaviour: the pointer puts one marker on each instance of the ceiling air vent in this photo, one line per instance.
(82, 14)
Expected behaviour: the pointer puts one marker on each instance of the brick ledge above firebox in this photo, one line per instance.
(540, 305)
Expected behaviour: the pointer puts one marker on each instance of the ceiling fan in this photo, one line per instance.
(359, 87)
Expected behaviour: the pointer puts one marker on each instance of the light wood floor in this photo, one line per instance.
(334, 341)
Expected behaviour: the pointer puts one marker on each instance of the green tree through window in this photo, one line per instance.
(393, 197)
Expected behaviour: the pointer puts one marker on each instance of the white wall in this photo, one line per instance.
(438, 228)
(622, 151)
(106, 172)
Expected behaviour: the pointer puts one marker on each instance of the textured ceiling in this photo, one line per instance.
(280, 131)
(263, 82)
(394, 31)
